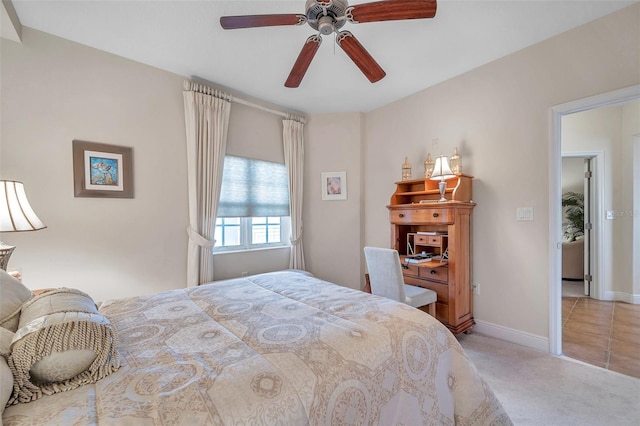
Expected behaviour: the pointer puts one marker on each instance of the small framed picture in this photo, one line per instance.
(334, 186)
(101, 170)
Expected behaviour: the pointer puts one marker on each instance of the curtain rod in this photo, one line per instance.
(201, 88)
(287, 115)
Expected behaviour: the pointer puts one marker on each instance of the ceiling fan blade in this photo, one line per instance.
(360, 56)
(304, 60)
(252, 21)
(392, 10)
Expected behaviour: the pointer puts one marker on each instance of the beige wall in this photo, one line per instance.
(625, 214)
(333, 229)
(628, 218)
(608, 131)
(573, 174)
(54, 91)
(498, 115)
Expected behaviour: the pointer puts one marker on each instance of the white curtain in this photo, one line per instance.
(293, 139)
(206, 113)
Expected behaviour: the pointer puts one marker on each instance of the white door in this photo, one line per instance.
(588, 225)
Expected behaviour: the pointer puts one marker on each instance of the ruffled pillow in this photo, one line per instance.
(62, 342)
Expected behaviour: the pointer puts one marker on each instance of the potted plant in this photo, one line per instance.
(573, 209)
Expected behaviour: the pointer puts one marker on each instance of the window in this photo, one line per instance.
(265, 230)
(228, 232)
(245, 233)
(253, 211)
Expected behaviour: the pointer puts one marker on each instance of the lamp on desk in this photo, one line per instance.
(16, 215)
(442, 171)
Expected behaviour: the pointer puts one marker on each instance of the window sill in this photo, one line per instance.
(252, 250)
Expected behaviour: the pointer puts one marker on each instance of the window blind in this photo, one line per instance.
(253, 188)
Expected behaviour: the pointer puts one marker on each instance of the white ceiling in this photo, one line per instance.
(185, 37)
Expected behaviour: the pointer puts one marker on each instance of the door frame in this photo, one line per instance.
(635, 273)
(555, 200)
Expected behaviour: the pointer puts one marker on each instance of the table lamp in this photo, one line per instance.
(16, 215)
(442, 171)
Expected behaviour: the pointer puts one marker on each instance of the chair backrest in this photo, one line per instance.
(385, 273)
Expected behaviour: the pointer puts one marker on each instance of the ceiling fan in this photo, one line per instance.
(328, 16)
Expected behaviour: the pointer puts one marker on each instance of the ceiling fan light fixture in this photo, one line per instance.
(325, 25)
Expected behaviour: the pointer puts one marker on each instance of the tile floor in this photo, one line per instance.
(605, 334)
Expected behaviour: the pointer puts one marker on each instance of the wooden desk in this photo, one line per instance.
(419, 222)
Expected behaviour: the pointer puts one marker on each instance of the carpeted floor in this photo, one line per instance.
(539, 389)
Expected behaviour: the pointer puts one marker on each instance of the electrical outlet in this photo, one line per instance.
(476, 288)
(244, 274)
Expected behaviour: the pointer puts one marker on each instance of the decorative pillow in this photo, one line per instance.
(6, 378)
(12, 295)
(62, 342)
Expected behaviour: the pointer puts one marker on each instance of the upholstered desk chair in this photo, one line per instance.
(385, 276)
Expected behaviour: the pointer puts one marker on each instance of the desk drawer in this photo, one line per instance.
(434, 274)
(428, 240)
(441, 289)
(410, 269)
(421, 216)
(440, 273)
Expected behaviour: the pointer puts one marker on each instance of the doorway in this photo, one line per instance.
(602, 237)
(578, 194)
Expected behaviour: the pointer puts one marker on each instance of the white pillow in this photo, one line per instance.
(6, 377)
(13, 294)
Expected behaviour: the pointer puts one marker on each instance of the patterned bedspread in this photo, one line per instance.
(281, 348)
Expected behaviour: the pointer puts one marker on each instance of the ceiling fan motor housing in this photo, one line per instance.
(326, 16)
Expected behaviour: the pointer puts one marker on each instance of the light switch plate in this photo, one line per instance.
(524, 213)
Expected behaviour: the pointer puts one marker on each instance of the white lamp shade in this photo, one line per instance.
(16, 213)
(442, 170)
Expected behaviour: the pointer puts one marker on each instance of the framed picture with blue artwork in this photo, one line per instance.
(101, 170)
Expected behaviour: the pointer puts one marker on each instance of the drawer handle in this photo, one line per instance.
(401, 215)
(436, 215)
(432, 272)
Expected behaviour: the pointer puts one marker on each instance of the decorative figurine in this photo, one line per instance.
(428, 166)
(455, 162)
(406, 169)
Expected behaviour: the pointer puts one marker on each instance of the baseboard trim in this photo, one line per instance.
(523, 338)
(619, 296)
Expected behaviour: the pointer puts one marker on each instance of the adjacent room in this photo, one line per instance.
(204, 205)
(598, 315)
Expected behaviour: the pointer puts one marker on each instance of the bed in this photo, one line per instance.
(281, 348)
